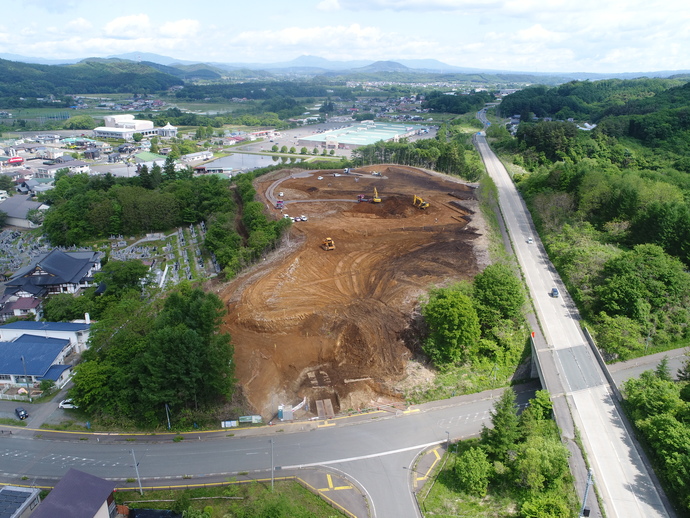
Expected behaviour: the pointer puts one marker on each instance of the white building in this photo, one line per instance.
(125, 126)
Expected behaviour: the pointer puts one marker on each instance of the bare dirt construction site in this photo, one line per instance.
(333, 326)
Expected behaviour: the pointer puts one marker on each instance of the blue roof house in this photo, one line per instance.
(76, 333)
(28, 360)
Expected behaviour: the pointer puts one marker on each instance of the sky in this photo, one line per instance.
(604, 36)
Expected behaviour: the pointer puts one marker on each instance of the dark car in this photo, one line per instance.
(554, 292)
(21, 413)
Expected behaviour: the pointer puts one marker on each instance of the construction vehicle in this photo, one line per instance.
(376, 198)
(375, 173)
(279, 204)
(328, 244)
(418, 202)
(361, 198)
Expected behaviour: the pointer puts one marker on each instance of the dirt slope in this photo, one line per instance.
(330, 324)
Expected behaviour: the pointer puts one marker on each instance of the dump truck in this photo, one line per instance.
(279, 204)
(328, 244)
(419, 202)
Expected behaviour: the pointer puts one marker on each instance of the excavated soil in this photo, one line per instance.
(331, 325)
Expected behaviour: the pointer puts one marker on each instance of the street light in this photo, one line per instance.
(26, 379)
(447, 440)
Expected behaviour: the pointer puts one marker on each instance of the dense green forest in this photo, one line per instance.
(32, 81)
(582, 100)
(660, 411)
(146, 354)
(438, 101)
(612, 208)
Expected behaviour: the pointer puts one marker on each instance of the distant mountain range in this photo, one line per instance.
(314, 65)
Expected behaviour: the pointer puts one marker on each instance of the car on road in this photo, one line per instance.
(530, 240)
(554, 292)
(21, 413)
(67, 403)
(280, 193)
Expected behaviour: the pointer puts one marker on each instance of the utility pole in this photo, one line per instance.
(136, 468)
(584, 511)
(26, 379)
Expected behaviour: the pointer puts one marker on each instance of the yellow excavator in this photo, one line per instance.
(328, 244)
(376, 198)
(418, 202)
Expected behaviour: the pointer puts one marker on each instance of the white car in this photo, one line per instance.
(320, 178)
(67, 403)
(280, 193)
(304, 218)
(530, 240)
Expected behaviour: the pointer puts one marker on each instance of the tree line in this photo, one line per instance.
(660, 411)
(519, 459)
(450, 152)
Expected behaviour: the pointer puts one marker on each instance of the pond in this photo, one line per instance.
(246, 162)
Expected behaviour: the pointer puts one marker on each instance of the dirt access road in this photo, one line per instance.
(336, 327)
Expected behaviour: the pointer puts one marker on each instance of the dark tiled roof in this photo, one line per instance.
(18, 206)
(77, 495)
(59, 267)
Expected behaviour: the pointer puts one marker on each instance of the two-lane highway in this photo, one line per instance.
(620, 474)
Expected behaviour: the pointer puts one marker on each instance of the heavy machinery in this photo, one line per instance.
(418, 202)
(279, 204)
(376, 198)
(361, 198)
(328, 244)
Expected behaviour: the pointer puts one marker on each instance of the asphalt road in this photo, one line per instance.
(570, 368)
(375, 452)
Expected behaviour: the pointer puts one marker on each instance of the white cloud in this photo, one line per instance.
(79, 24)
(328, 5)
(128, 26)
(180, 29)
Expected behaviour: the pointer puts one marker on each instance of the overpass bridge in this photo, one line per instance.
(567, 365)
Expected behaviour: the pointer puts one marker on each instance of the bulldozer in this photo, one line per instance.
(376, 198)
(328, 244)
(419, 202)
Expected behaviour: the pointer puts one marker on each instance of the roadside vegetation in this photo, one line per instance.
(611, 204)
(518, 467)
(251, 500)
(659, 408)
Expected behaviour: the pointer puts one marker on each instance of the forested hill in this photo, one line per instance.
(585, 100)
(91, 76)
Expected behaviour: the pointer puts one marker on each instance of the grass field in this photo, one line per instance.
(247, 500)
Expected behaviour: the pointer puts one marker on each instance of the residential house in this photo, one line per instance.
(35, 187)
(79, 495)
(73, 166)
(77, 333)
(18, 208)
(28, 360)
(20, 307)
(54, 272)
(18, 502)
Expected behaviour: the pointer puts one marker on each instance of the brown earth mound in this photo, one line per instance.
(329, 326)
